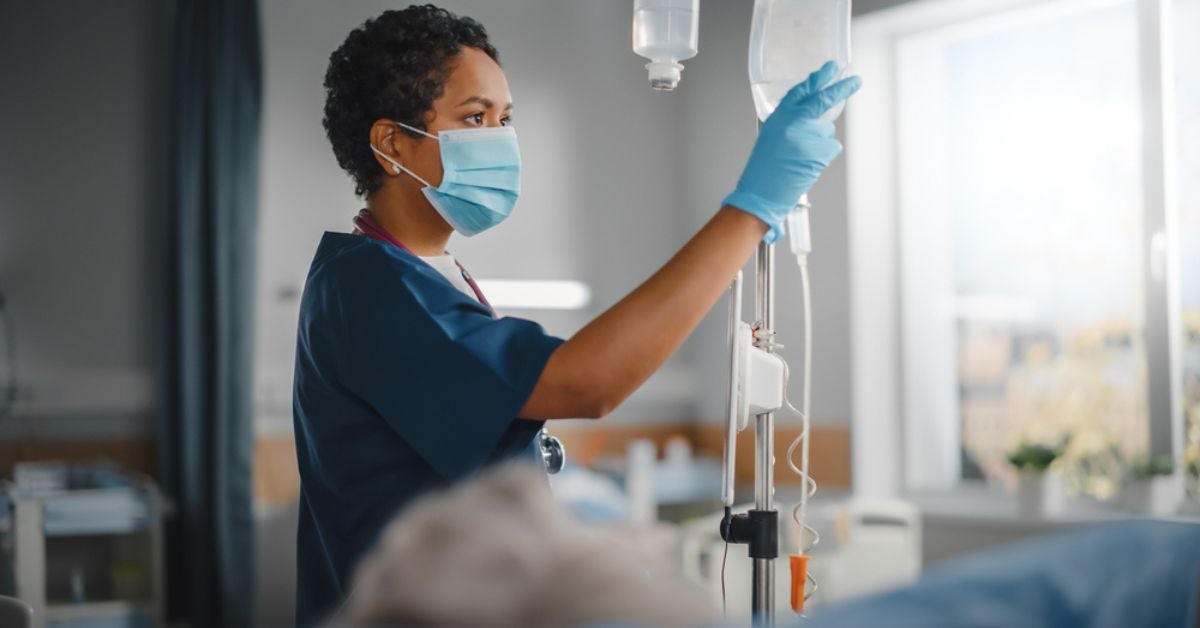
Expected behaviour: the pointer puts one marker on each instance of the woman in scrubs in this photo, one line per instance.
(406, 381)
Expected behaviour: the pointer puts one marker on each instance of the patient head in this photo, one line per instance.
(500, 552)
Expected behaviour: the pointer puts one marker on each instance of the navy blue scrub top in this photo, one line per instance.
(403, 385)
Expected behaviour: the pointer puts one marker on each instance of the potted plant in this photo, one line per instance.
(1040, 490)
(1152, 486)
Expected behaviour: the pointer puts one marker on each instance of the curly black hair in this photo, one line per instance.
(394, 67)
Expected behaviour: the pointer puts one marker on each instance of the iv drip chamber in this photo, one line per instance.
(666, 32)
(790, 39)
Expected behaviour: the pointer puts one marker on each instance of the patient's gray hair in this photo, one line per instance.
(499, 551)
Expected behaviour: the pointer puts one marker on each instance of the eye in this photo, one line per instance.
(476, 119)
(506, 121)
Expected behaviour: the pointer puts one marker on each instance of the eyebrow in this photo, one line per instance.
(486, 102)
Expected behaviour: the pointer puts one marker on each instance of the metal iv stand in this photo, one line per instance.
(763, 592)
(759, 528)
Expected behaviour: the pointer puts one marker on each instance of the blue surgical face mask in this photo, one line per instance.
(481, 176)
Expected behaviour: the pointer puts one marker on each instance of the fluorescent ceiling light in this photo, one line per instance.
(523, 294)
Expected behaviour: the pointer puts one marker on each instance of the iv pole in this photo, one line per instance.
(759, 528)
(763, 590)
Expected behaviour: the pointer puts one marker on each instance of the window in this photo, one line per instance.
(1187, 99)
(1022, 178)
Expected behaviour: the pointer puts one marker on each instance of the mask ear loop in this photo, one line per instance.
(415, 130)
(396, 166)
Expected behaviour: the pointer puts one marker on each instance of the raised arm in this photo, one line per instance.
(599, 367)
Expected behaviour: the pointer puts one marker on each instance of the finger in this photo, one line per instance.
(817, 104)
(824, 75)
(812, 84)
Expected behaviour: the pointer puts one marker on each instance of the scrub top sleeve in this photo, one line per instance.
(446, 376)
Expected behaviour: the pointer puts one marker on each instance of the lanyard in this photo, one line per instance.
(367, 224)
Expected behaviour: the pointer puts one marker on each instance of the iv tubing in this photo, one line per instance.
(801, 243)
(805, 433)
(807, 536)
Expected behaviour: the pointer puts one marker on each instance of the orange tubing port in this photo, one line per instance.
(799, 566)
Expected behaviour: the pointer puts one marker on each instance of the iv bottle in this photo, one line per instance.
(790, 39)
(665, 32)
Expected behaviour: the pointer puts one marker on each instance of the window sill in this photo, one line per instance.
(979, 504)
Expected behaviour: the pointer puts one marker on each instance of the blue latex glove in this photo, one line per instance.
(794, 146)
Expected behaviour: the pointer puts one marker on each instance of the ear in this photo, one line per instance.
(386, 140)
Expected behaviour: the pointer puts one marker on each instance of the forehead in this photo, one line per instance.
(476, 74)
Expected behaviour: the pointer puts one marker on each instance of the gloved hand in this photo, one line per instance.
(794, 146)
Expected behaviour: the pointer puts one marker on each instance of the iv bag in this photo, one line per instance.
(790, 39)
(665, 32)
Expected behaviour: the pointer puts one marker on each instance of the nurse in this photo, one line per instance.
(406, 381)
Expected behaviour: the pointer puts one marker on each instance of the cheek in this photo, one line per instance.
(431, 162)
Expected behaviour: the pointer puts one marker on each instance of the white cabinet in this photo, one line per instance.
(86, 551)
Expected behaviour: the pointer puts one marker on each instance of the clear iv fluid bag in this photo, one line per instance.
(790, 39)
(665, 32)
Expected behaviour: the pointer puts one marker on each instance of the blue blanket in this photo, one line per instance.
(1127, 575)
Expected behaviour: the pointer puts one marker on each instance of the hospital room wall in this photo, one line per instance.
(83, 119)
